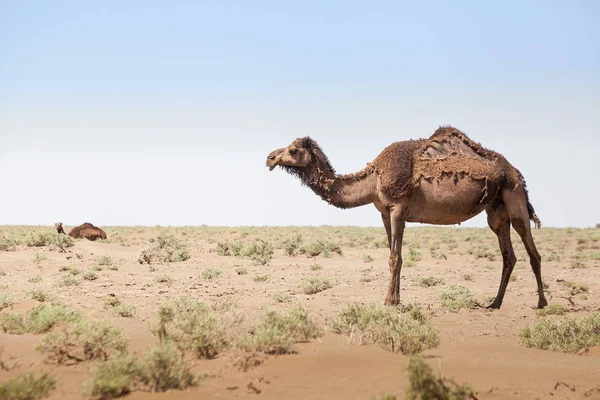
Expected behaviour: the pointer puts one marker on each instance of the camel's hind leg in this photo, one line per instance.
(499, 222)
(516, 207)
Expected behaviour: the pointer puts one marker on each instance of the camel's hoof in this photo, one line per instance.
(542, 303)
(493, 306)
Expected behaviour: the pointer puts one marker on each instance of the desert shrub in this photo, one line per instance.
(260, 251)
(61, 242)
(411, 258)
(164, 248)
(457, 297)
(292, 244)
(38, 295)
(211, 273)
(39, 239)
(423, 384)
(408, 333)
(241, 270)
(233, 249)
(164, 279)
(38, 258)
(281, 298)
(35, 279)
(38, 320)
(104, 260)
(83, 341)
(429, 281)
(482, 252)
(320, 247)
(111, 301)
(29, 386)
(6, 244)
(2, 273)
(367, 258)
(191, 326)
(279, 331)
(468, 277)
(563, 334)
(124, 310)
(260, 278)
(575, 288)
(552, 309)
(315, 285)
(90, 276)
(69, 281)
(158, 370)
(316, 267)
(5, 301)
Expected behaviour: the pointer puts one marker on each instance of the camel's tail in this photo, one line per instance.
(532, 215)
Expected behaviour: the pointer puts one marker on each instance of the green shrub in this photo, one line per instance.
(6, 244)
(5, 301)
(281, 298)
(423, 384)
(320, 247)
(260, 251)
(241, 270)
(316, 267)
(429, 281)
(457, 297)
(104, 260)
(575, 288)
(114, 378)
(211, 273)
(39, 239)
(260, 278)
(367, 258)
(38, 320)
(69, 281)
(406, 333)
(292, 244)
(27, 387)
(90, 276)
(83, 341)
(164, 248)
(552, 309)
(124, 310)
(61, 242)
(563, 334)
(230, 249)
(315, 285)
(38, 295)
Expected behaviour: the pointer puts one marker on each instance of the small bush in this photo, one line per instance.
(563, 334)
(90, 276)
(38, 295)
(111, 301)
(292, 244)
(408, 334)
(38, 258)
(83, 341)
(412, 257)
(39, 239)
(281, 298)
(241, 270)
(468, 277)
(124, 310)
(457, 297)
(316, 267)
(423, 384)
(191, 326)
(38, 320)
(69, 281)
(5, 301)
(211, 273)
(260, 278)
(552, 309)
(230, 249)
(27, 387)
(315, 285)
(164, 248)
(6, 244)
(575, 288)
(320, 247)
(35, 279)
(164, 279)
(367, 258)
(279, 331)
(113, 378)
(104, 260)
(430, 281)
(261, 252)
(61, 242)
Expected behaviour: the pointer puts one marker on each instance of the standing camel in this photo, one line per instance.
(444, 180)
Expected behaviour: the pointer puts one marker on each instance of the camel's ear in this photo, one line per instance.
(307, 143)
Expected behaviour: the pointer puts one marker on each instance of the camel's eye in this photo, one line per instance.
(293, 151)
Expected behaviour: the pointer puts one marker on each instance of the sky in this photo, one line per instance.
(163, 112)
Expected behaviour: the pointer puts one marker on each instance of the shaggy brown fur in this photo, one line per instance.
(59, 227)
(445, 180)
(87, 231)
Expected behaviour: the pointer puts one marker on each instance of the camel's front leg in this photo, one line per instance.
(397, 225)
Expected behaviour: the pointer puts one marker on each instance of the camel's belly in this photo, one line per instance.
(448, 201)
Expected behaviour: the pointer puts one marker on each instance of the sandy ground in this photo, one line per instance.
(478, 346)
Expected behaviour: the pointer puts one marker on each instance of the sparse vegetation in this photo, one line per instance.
(90, 276)
(367, 258)
(406, 333)
(552, 309)
(35, 279)
(563, 334)
(315, 285)
(104, 260)
(6, 301)
(38, 320)
(457, 297)
(69, 281)
(38, 295)
(166, 279)
(423, 384)
(6, 244)
(320, 247)
(316, 267)
(260, 251)
(164, 248)
(124, 310)
(429, 281)
(241, 270)
(260, 278)
(30, 386)
(411, 258)
(83, 341)
(211, 273)
(282, 298)
(38, 258)
(575, 288)
(292, 244)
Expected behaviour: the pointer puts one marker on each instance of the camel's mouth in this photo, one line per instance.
(274, 158)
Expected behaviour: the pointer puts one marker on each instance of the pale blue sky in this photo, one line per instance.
(131, 112)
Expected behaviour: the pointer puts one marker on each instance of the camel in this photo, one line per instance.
(443, 180)
(83, 231)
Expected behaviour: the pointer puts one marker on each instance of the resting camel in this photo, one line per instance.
(83, 231)
(444, 180)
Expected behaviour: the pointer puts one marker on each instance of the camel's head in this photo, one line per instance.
(59, 227)
(297, 154)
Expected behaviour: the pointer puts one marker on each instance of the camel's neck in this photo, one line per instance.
(342, 191)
